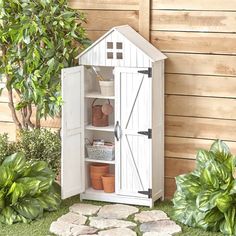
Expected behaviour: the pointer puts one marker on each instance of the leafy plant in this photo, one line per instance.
(6, 147)
(27, 189)
(41, 144)
(37, 40)
(206, 197)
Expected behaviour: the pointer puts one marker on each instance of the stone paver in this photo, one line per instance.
(117, 211)
(154, 215)
(117, 232)
(161, 226)
(111, 220)
(156, 234)
(82, 230)
(60, 228)
(84, 209)
(73, 218)
(101, 223)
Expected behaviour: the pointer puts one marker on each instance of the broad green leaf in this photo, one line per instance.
(15, 161)
(220, 150)
(2, 198)
(224, 202)
(227, 226)
(29, 208)
(15, 192)
(189, 184)
(30, 184)
(206, 200)
(214, 215)
(209, 179)
(8, 216)
(49, 201)
(45, 183)
(7, 176)
(203, 157)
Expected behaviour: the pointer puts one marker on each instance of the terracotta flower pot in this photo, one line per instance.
(108, 182)
(96, 172)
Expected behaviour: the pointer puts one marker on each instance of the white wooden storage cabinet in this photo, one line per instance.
(138, 70)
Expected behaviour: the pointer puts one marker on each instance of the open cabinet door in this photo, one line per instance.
(134, 118)
(72, 160)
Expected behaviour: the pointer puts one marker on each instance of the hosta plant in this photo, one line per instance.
(206, 197)
(27, 189)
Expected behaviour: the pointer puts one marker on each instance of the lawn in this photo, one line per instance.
(40, 227)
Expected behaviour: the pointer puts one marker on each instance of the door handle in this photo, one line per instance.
(117, 131)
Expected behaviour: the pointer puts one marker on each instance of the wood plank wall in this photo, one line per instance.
(199, 39)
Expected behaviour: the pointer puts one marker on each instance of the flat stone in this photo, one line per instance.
(156, 234)
(102, 223)
(82, 230)
(84, 209)
(117, 232)
(73, 218)
(117, 211)
(154, 215)
(60, 228)
(161, 226)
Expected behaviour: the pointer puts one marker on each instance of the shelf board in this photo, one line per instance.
(109, 128)
(98, 95)
(100, 192)
(99, 161)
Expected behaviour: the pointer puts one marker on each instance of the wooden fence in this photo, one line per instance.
(199, 39)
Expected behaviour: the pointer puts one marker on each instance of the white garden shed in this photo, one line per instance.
(136, 126)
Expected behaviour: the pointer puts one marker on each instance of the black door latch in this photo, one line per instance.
(148, 133)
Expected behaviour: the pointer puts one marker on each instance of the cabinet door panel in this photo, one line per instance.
(72, 161)
(133, 112)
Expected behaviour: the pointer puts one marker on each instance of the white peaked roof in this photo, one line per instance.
(128, 32)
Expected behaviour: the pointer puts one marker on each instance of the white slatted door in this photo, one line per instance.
(133, 112)
(72, 161)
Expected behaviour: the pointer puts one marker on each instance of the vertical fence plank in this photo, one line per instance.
(144, 18)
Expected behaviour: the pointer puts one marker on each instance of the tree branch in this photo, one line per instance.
(12, 108)
(37, 120)
(29, 113)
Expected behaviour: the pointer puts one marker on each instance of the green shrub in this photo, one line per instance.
(26, 189)
(6, 147)
(41, 144)
(206, 197)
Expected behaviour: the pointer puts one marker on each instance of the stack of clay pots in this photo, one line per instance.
(101, 179)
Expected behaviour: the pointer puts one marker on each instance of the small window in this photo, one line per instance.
(109, 45)
(110, 55)
(119, 55)
(119, 45)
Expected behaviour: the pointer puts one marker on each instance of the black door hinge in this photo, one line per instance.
(148, 193)
(146, 72)
(148, 133)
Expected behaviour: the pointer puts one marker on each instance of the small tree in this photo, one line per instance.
(37, 39)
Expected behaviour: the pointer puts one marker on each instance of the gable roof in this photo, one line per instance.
(128, 32)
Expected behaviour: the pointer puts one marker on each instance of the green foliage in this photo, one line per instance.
(206, 197)
(37, 40)
(26, 189)
(37, 144)
(41, 144)
(6, 148)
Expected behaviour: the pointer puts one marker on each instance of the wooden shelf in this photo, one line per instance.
(109, 128)
(100, 192)
(100, 161)
(98, 95)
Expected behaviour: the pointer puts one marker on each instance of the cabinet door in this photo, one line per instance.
(133, 114)
(72, 133)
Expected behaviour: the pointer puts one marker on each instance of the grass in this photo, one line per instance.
(41, 227)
